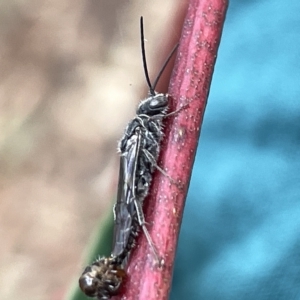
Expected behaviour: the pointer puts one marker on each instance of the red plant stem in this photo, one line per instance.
(189, 87)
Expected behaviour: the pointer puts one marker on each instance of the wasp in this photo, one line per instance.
(139, 149)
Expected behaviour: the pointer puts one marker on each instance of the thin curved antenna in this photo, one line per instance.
(164, 66)
(151, 89)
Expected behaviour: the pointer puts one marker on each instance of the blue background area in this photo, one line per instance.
(240, 237)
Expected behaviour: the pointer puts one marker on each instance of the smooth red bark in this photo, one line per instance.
(189, 87)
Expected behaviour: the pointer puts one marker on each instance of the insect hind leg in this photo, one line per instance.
(142, 223)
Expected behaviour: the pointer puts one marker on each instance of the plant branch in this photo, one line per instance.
(189, 88)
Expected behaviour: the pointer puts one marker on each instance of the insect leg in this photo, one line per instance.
(161, 116)
(153, 162)
(175, 112)
(142, 223)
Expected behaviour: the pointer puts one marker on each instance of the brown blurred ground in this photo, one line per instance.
(70, 78)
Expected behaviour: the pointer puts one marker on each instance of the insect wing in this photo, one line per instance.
(124, 208)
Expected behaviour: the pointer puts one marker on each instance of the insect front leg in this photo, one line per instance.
(175, 112)
(167, 115)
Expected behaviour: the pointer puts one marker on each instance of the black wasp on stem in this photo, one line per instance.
(139, 149)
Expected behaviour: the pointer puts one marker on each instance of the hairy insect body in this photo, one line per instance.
(139, 150)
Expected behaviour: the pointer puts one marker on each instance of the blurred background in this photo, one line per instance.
(70, 78)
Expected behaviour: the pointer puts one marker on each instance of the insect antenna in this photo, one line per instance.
(152, 87)
(164, 66)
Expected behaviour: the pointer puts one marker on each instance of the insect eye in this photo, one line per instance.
(155, 104)
(159, 102)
